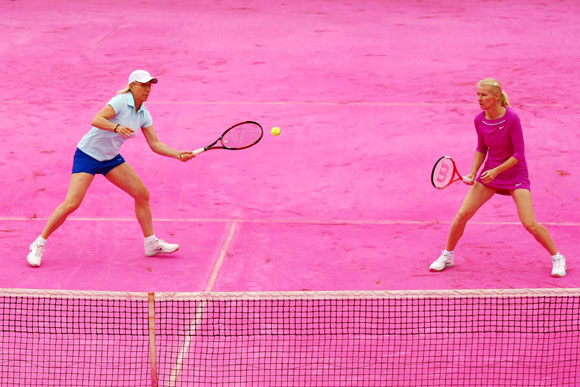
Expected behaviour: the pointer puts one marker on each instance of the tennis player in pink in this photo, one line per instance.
(501, 145)
(98, 153)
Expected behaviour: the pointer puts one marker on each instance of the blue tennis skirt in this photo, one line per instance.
(84, 163)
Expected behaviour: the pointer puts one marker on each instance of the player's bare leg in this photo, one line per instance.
(125, 177)
(524, 204)
(477, 196)
(79, 184)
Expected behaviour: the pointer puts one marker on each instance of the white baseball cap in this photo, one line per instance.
(141, 76)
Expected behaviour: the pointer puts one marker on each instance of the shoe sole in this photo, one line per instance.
(161, 252)
(445, 267)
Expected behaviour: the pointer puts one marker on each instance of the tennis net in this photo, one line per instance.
(376, 338)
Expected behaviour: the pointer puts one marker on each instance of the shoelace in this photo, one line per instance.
(445, 258)
(559, 266)
(38, 249)
(156, 247)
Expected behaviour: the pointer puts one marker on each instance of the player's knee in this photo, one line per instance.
(70, 206)
(142, 195)
(531, 226)
(463, 216)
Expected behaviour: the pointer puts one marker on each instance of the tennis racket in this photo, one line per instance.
(240, 136)
(445, 173)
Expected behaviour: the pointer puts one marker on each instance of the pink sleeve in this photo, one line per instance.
(481, 147)
(517, 137)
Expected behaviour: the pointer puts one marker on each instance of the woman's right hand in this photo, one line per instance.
(185, 155)
(469, 179)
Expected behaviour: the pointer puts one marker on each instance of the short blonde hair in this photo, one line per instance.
(503, 99)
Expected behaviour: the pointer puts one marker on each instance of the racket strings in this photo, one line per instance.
(442, 173)
(242, 136)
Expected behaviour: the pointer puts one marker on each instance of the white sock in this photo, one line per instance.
(150, 239)
(446, 252)
(40, 240)
(557, 255)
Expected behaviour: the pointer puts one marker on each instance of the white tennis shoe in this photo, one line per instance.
(558, 266)
(444, 261)
(35, 254)
(159, 247)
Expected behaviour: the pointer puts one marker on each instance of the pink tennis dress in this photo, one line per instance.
(501, 139)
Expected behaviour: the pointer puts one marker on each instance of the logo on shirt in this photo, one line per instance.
(501, 127)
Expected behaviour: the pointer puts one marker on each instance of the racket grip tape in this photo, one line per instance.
(198, 151)
(467, 180)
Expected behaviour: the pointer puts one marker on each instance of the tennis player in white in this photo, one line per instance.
(98, 153)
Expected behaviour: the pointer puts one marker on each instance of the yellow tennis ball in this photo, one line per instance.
(275, 131)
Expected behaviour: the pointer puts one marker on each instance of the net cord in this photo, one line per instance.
(295, 295)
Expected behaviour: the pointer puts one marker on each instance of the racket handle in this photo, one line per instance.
(467, 180)
(198, 151)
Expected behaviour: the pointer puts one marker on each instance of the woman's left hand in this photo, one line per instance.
(125, 131)
(489, 175)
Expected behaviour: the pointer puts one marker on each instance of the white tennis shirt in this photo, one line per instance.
(104, 144)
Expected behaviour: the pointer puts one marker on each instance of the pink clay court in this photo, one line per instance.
(368, 95)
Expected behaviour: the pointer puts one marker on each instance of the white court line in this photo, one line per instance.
(304, 103)
(199, 310)
(345, 103)
(329, 222)
(221, 257)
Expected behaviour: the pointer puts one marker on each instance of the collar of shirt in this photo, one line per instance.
(131, 102)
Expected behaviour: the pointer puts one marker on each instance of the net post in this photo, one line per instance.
(152, 339)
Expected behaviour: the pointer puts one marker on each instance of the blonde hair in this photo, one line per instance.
(503, 99)
(125, 90)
